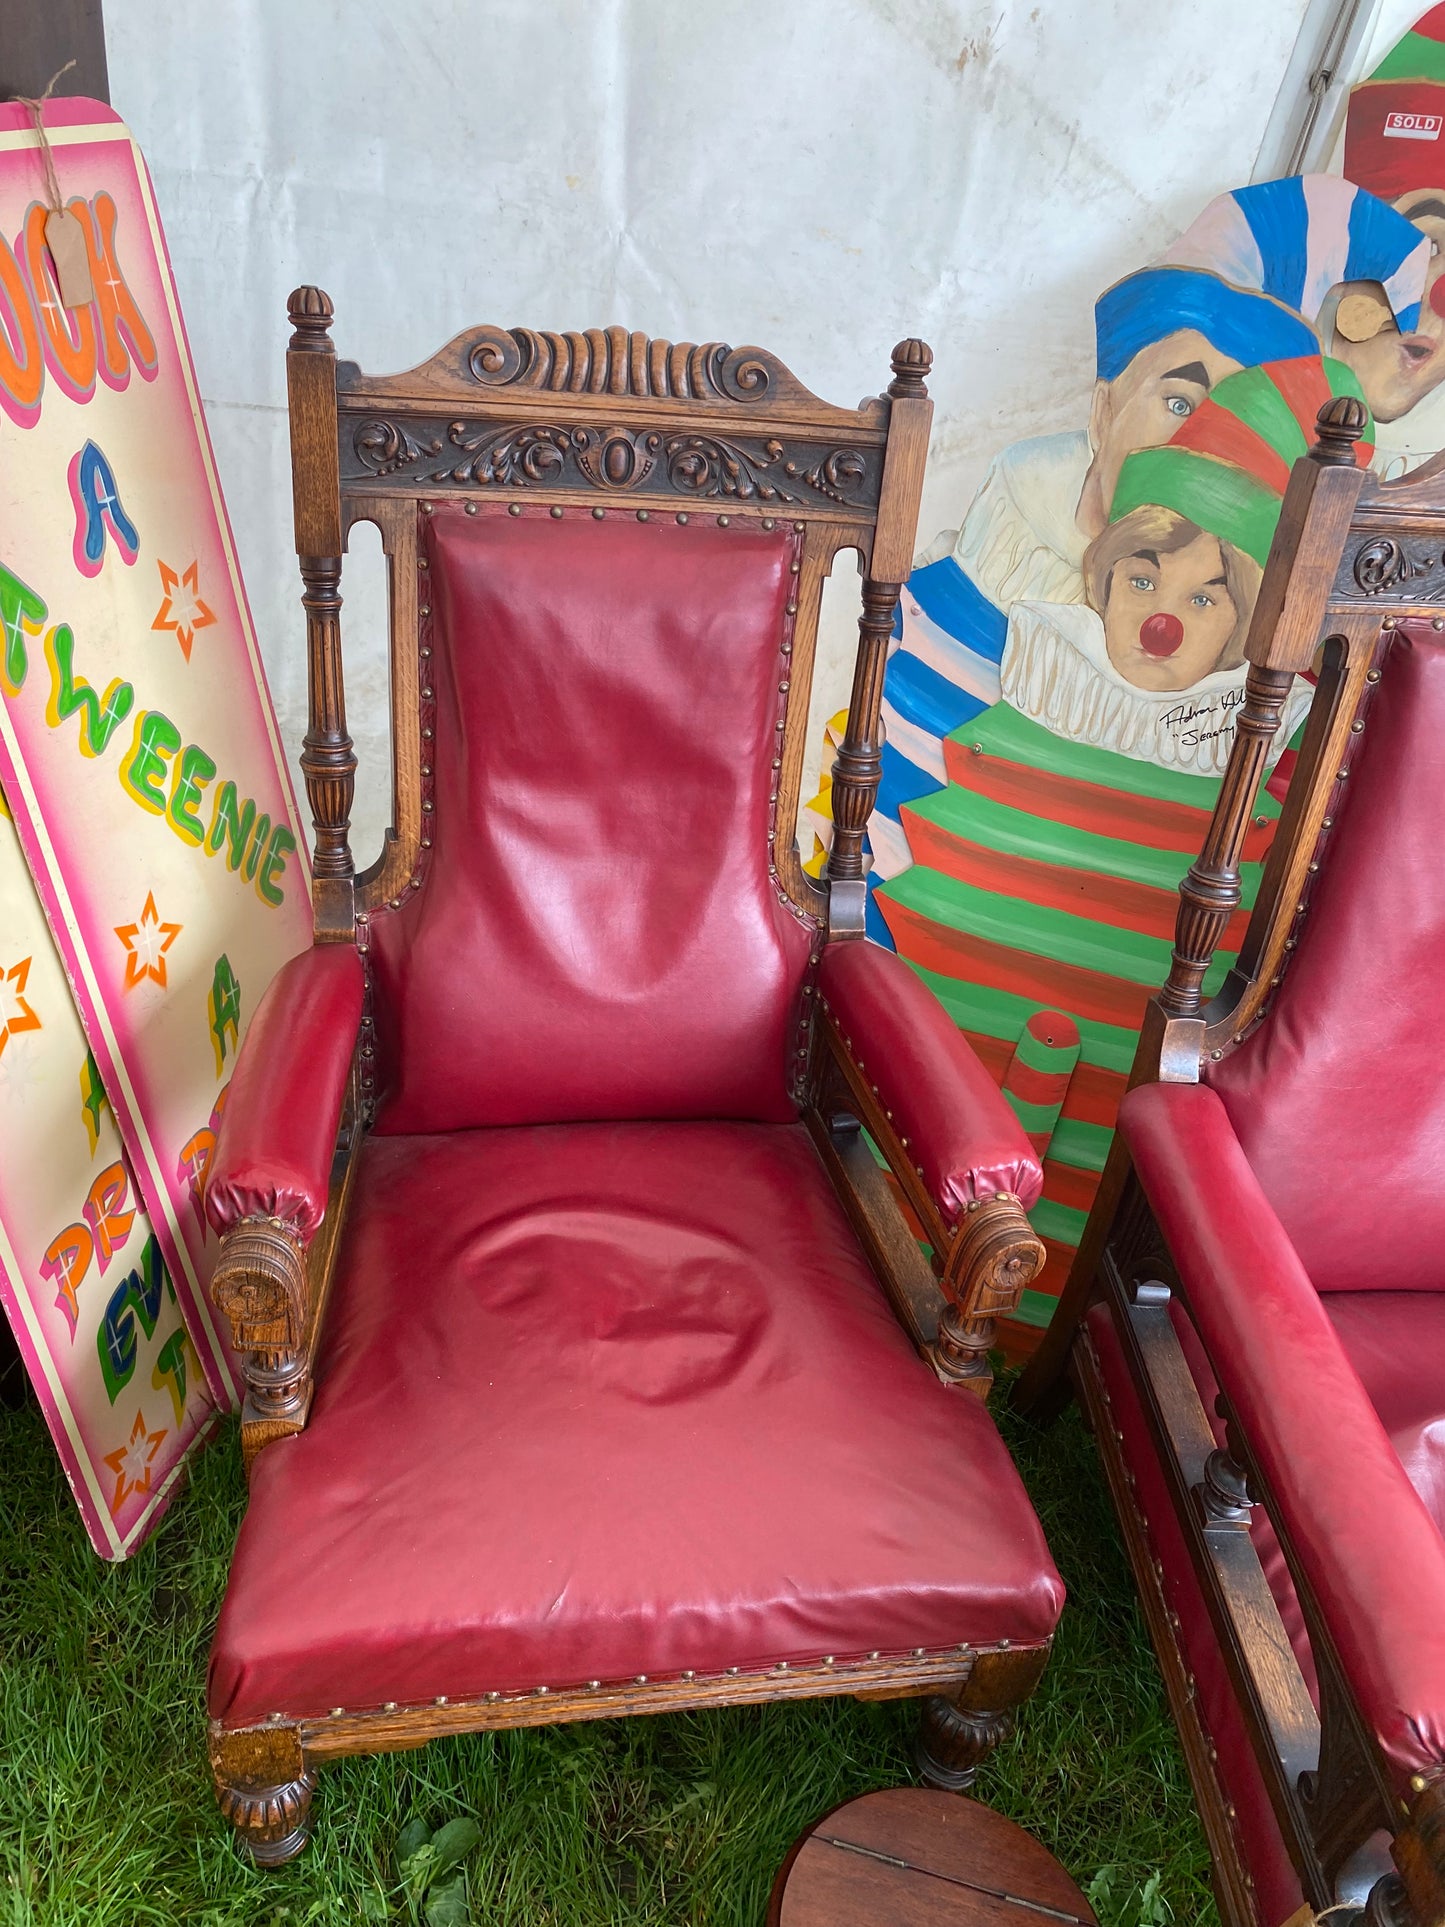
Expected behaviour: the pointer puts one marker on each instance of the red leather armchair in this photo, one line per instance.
(574, 1312)
(1256, 1322)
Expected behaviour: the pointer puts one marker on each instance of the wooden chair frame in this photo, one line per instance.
(609, 423)
(1353, 555)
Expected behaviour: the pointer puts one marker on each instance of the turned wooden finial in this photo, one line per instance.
(1340, 424)
(912, 360)
(311, 315)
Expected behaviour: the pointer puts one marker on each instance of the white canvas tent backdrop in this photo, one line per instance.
(819, 176)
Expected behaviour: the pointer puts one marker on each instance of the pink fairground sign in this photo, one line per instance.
(82, 1279)
(138, 749)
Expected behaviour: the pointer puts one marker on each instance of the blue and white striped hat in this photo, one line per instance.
(1297, 239)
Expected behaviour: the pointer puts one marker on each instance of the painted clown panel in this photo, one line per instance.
(1066, 666)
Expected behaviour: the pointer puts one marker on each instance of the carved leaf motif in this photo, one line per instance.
(512, 457)
(384, 447)
(834, 476)
(708, 465)
(1382, 563)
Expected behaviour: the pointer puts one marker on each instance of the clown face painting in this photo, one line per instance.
(1248, 284)
(1175, 599)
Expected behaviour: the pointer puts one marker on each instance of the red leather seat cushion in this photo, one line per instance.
(596, 934)
(1337, 1098)
(600, 1400)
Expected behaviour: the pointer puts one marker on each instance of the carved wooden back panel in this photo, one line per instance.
(1353, 556)
(601, 423)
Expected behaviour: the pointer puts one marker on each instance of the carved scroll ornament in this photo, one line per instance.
(1383, 564)
(612, 361)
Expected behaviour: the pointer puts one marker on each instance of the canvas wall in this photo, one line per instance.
(820, 176)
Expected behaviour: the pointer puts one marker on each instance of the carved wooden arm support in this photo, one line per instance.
(903, 1069)
(992, 1259)
(259, 1285)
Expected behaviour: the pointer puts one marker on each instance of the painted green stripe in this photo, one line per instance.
(999, 1013)
(1035, 1308)
(1251, 397)
(1413, 58)
(1002, 731)
(1058, 1221)
(995, 826)
(1033, 1117)
(1343, 380)
(1216, 495)
(1057, 935)
(1085, 1146)
(1050, 1060)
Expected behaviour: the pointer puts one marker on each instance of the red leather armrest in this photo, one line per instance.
(957, 1122)
(283, 1107)
(1372, 1554)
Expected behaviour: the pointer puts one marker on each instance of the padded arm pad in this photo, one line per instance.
(283, 1106)
(957, 1123)
(1372, 1554)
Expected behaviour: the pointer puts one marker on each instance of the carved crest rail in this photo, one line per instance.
(413, 451)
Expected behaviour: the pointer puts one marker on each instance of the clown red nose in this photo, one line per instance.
(1160, 635)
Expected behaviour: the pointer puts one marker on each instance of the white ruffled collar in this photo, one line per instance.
(1056, 671)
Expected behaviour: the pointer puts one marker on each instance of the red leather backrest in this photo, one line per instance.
(1339, 1097)
(595, 932)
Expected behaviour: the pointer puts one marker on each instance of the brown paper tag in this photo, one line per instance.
(1306, 1917)
(65, 238)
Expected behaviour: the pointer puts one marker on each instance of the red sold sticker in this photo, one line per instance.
(1413, 127)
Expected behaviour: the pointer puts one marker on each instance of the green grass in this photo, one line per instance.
(107, 1818)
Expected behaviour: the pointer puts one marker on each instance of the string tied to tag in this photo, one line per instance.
(64, 235)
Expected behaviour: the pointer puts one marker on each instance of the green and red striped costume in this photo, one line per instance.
(1045, 887)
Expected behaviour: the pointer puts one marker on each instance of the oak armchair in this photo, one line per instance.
(550, 1238)
(1256, 1320)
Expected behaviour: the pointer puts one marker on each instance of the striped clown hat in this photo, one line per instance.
(1395, 122)
(1159, 301)
(1297, 239)
(1226, 468)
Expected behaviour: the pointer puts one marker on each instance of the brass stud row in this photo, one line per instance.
(689, 1676)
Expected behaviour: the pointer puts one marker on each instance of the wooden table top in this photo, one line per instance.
(912, 1857)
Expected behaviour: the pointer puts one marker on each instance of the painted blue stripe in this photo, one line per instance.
(1278, 219)
(902, 782)
(1145, 307)
(956, 603)
(1377, 233)
(922, 696)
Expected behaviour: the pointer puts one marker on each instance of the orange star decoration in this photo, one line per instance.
(147, 942)
(131, 1462)
(15, 1013)
(182, 609)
